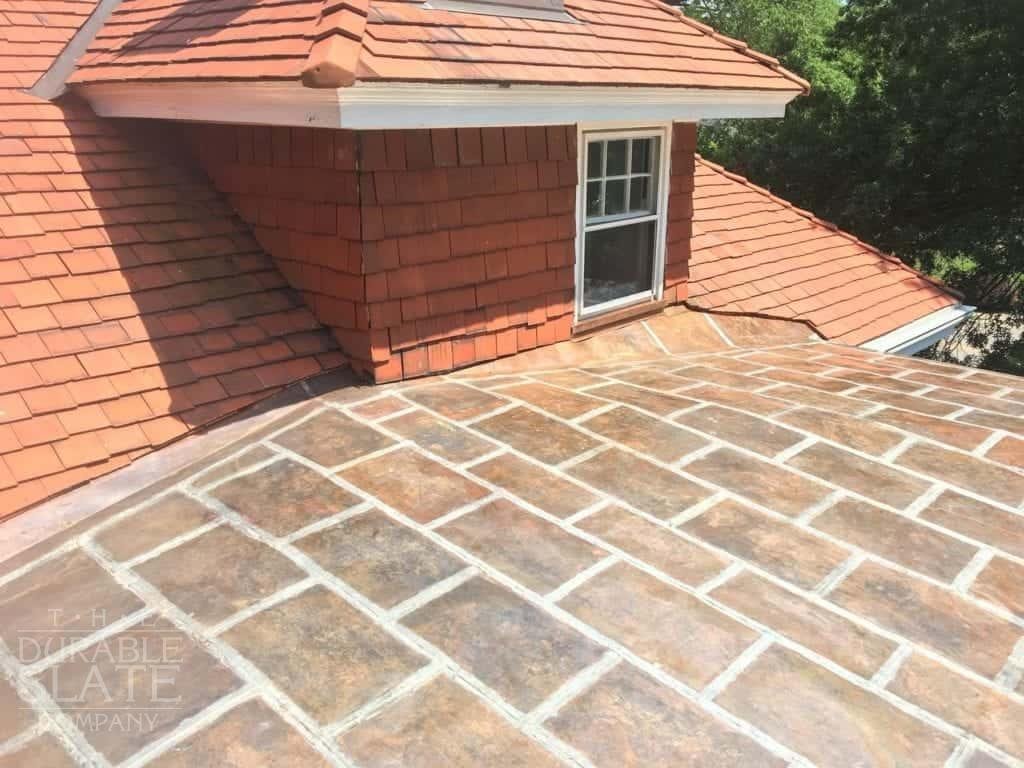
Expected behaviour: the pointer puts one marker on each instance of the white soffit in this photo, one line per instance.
(920, 334)
(424, 105)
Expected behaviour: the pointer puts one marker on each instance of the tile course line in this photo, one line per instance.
(960, 755)
(989, 443)
(414, 682)
(965, 579)
(1013, 671)
(887, 672)
(54, 720)
(739, 665)
(328, 522)
(167, 545)
(249, 470)
(581, 578)
(719, 579)
(71, 649)
(576, 685)
(654, 337)
(193, 725)
(246, 672)
(16, 742)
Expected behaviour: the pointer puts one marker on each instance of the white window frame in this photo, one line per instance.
(585, 133)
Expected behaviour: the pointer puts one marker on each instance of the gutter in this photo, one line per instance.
(922, 333)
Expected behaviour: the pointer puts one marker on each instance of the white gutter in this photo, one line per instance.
(424, 105)
(920, 334)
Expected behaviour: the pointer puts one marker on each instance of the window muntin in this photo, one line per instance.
(620, 220)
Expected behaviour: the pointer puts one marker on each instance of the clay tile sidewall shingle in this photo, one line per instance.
(134, 306)
(426, 250)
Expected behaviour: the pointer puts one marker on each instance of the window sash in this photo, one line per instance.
(627, 215)
(619, 220)
(657, 176)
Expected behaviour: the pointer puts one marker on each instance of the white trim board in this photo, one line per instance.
(920, 334)
(424, 105)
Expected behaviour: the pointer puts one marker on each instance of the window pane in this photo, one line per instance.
(640, 194)
(617, 262)
(614, 197)
(616, 158)
(593, 198)
(594, 150)
(642, 155)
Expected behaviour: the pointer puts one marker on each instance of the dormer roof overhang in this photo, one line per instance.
(407, 63)
(422, 105)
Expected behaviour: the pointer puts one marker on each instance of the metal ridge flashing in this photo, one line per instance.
(53, 82)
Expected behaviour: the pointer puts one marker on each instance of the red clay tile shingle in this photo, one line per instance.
(333, 44)
(117, 266)
(753, 253)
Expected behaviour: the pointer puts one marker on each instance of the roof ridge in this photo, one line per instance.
(740, 46)
(890, 257)
(338, 42)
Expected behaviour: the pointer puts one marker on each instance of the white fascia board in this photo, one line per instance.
(424, 105)
(920, 334)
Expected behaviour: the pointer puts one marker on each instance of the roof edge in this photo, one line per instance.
(921, 333)
(739, 46)
(391, 104)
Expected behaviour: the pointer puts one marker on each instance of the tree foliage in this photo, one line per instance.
(913, 136)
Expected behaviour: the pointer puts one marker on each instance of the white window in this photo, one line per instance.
(622, 219)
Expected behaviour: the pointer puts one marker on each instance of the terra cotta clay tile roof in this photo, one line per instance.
(134, 306)
(332, 43)
(753, 253)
